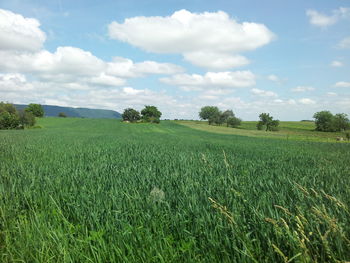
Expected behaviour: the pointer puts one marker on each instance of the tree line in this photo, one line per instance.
(148, 114)
(324, 120)
(11, 118)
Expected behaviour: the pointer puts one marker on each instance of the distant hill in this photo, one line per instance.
(53, 111)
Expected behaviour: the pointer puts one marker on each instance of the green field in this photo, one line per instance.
(90, 190)
(288, 130)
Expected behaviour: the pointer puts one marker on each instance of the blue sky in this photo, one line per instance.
(288, 58)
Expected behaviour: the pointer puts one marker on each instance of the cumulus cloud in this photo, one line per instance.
(342, 84)
(263, 93)
(302, 89)
(344, 43)
(318, 19)
(336, 64)
(20, 33)
(194, 35)
(235, 79)
(307, 101)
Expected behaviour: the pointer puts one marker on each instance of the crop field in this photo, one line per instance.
(90, 190)
(288, 130)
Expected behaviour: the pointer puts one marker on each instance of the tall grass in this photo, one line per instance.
(82, 190)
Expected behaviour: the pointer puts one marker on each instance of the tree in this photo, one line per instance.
(131, 115)
(233, 121)
(224, 116)
(267, 121)
(62, 115)
(26, 118)
(36, 109)
(8, 116)
(341, 122)
(151, 114)
(210, 113)
(324, 121)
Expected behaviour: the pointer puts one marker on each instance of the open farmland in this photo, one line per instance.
(89, 190)
(288, 130)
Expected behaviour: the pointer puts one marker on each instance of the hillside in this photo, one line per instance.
(53, 111)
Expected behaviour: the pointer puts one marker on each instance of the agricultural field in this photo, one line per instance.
(94, 190)
(288, 130)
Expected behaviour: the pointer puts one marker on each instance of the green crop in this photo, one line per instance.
(89, 190)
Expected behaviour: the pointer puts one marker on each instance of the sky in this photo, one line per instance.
(287, 58)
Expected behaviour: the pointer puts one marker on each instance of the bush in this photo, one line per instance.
(62, 115)
(10, 118)
(233, 122)
(26, 118)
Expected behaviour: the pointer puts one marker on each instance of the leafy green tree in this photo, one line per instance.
(224, 116)
(62, 115)
(8, 116)
(131, 115)
(267, 121)
(210, 113)
(341, 122)
(36, 109)
(233, 121)
(324, 121)
(151, 114)
(26, 118)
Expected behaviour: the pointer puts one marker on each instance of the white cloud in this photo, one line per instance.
(236, 79)
(345, 43)
(336, 63)
(302, 89)
(331, 94)
(342, 84)
(263, 93)
(273, 78)
(214, 60)
(194, 35)
(19, 33)
(307, 101)
(318, 19)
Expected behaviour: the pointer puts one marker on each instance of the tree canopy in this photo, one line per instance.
(36, 109)
(327, 122)
(10, 118)
(210, 113)
(267, 121)
(151, 114)
(131, 115)
(215, 116)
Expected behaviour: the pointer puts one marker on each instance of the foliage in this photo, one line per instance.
(210, 113)
(347, 135)
(62, 115)
(151, 114)
(224, 116)
(267, 121)
(168, 193)
(26, 118)
(131, 115)
(327, 122)
(36, 109)
(215, 116)
(233, 122)
(10, 118)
